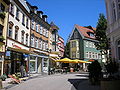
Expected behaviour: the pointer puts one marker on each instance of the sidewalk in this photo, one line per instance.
(7, 85)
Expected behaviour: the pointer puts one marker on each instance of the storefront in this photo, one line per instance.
(14, 59)
(38, 63)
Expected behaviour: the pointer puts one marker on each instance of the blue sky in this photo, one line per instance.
(66, 13)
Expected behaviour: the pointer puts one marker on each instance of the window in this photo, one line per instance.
(118, 8)
(36, 43)
(93, 45)
(114, 12)
(99, 56)
(27, 22)
(74, 54)
(2, 7)
(32, 41)
(96, 56)
(11, 9)
(32, 25)
(16, 34)
(23, 19)
(40, 29)
(90, 55)
(87, 54)
(1, 30)
(87, 43)
(22, 36)
(75, 34)
(43, 46)
(17, 13)
(40, 44)
(93, 55)
(10, 31)
(37, 28)
(27, 39)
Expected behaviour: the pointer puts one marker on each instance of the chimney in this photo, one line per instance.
(44, 17)
(40, 13)
(35, 9)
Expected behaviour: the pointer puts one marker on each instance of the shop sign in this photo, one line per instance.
(7, 53)
(16, 46)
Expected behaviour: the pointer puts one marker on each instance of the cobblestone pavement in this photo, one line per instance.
(57, 82)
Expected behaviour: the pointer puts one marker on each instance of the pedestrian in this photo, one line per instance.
(22, 70)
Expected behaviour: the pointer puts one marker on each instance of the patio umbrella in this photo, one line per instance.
(64, 60)
(80, 61)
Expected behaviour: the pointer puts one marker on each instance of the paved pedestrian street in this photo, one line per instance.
(57, 82)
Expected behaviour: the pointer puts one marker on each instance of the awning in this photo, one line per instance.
(19, 50)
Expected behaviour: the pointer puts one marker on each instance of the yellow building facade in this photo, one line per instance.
(4, 7)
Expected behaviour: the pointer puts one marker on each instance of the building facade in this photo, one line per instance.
(39, 57)
(113, 30)
(61, 46)
(82, 44)
(18, 34)
(4, 6)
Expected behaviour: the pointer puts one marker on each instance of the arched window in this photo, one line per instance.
(27, 39)
(22, 36)
(16, 32)
(10, 29)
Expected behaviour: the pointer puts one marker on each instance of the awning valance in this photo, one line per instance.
(19, 50)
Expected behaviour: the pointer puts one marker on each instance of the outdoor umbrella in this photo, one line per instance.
(64, 60)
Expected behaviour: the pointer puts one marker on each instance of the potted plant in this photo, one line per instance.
(95, 74)
(112, 79)
(3, 77)
(1, 38)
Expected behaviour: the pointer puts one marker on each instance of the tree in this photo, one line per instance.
(67, 50)
(101, 28)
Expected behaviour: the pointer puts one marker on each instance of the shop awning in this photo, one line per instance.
(19, 50)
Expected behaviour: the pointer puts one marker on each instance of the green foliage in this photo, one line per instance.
(112, 67)
(100, 32)
(3, 77)
(1, 38)
(94, 70)
(67, 50)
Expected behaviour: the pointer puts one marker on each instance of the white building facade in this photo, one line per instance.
(113, 31)
(18, 36)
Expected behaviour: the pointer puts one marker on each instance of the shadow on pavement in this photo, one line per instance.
(76, 82)
(80, 75)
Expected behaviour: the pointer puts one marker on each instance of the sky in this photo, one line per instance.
(66, 13)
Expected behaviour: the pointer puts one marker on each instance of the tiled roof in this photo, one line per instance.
(84, 31)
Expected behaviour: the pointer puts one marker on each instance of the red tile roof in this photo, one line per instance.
(84, 31)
